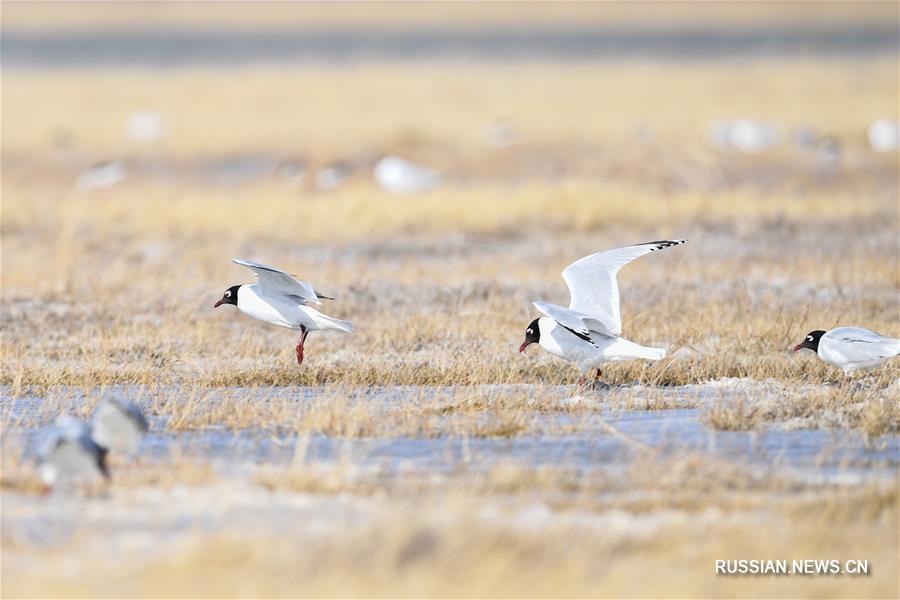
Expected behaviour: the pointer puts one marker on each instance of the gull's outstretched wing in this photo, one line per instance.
(273, 282)
(592, 282)
(581, 324)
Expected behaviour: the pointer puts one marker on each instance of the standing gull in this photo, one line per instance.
(850, 348)
(67, 454)
(587, 332)
(72, 451)
(283, 300)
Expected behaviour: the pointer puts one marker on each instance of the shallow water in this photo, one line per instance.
(605, 437)
(347, 484)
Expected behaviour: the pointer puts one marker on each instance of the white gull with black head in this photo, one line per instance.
(587, 332)
(283, 300)
(851, 348)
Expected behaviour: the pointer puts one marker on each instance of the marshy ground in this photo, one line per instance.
(423, 456)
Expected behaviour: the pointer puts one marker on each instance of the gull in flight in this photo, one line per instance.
(587, 333)
(283, 300)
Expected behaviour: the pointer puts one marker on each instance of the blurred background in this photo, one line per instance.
(296, 122)
(310, 97)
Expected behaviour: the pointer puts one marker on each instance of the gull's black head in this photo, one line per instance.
(229, 297)
(811, 341)
(532, 335)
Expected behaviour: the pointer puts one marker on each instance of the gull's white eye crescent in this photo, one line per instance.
(529, 331)
(809, 338)
(228, 293)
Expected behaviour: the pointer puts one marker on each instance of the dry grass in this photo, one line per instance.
(736, 416)
(120, 282)
(413, 335)
(649, 481)
(852, 405)
(727, 306)
(510, 532)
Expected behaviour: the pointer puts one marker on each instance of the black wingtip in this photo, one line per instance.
(660, 244)
(322, 296)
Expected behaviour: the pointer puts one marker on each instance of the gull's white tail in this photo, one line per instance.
(337, 324)
(651, 353)
(894, 345)
(325, 322)
(625, 350)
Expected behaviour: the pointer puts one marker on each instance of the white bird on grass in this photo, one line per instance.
(283, 300)
(398, 176)
(851, 348)
(587, 332)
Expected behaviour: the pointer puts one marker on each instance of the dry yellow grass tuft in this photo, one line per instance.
(870, 410)
(737, 416)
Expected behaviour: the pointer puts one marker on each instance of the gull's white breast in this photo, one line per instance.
(274, 310)
(559, 341)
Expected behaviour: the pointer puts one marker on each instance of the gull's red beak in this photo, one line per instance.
(799, 347)
(524, 345)
(218, 304)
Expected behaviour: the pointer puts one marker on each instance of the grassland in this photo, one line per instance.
(114, 287)
(120, 280)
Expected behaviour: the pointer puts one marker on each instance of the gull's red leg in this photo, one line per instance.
(303, 332)
(599, 375)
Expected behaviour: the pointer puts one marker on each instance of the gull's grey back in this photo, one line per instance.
(118, 425)
(857, 334)
(857, 348)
